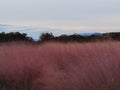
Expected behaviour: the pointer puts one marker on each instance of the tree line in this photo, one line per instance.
(14, 36)
(44, 37)
(115, 36)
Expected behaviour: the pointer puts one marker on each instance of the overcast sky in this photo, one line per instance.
(76, 15)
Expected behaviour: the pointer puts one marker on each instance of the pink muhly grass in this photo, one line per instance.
(57, 66)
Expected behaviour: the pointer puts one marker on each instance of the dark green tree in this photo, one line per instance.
(46, 36)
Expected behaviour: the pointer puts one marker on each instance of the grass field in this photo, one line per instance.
(58, 66)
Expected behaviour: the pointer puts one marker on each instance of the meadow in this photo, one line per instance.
(60, 66)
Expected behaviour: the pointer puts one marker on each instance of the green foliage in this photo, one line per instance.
(78, 38)
(46, 36)
(14, 36)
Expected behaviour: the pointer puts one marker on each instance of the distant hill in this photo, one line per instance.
(44, 34)
(91, 33)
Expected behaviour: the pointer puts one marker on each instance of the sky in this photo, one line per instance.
(61, 15)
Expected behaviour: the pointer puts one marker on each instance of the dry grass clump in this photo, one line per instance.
(57, 66)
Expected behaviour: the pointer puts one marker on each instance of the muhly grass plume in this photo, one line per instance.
(57, 66)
